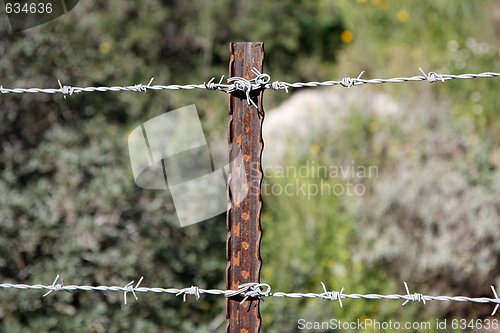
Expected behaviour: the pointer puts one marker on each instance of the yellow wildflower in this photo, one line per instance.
(346, 37)
(314, 149)
(105, 47)
(403, 16)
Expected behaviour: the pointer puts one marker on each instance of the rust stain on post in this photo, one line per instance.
(243, 220)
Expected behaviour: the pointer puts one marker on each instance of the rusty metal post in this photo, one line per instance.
(243, 218)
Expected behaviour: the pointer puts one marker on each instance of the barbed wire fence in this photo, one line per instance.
(250, 290)
(253, 291)
(261, 81)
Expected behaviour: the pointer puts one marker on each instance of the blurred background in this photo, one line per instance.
(429, 215)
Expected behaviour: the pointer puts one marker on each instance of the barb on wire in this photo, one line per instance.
(496, 297)
(432, 76)
(65, 90)
(211, 85)
(130, 288)
(333, 295)
(255, 291)
(142, 87)
(415, 297)
(193, 290)
(55, 286)
(349, 82)
(260, 81)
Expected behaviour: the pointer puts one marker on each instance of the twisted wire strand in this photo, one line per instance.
(260, 81)
(254, 291)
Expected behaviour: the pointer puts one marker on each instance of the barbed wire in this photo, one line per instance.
(259, 82)
(253, 291)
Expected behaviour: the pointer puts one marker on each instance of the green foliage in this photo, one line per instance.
(309, 240)
(440, 36)
(95, 227)
(429, 162)
(68, 201)
(312, 238)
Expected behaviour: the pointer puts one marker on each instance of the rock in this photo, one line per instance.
(309, 115)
